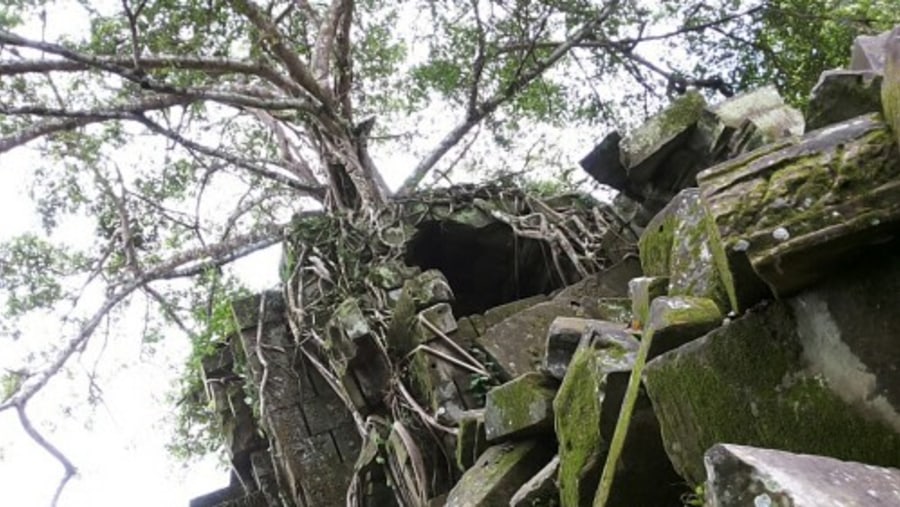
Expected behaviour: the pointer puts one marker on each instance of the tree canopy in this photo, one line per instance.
(164, 139)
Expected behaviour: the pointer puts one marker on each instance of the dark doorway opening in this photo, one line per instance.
(486, 266)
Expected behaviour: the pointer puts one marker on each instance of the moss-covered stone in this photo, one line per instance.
(841, 95)
(471, 440)
(496, 314)
(747, 383)
(521, 407)
(676, 320)
(499, 473)
(428, 289)
(616, 310)
(583, 407)
(796, 210)
(643, 290)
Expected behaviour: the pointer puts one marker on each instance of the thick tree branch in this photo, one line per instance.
(506, 93)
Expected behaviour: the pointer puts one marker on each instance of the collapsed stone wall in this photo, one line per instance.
(483, 346)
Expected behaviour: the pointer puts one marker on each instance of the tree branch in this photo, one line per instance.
(68, 467)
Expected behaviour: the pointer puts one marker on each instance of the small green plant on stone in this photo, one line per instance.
(697, 498)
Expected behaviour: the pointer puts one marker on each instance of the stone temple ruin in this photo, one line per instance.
(725, 332)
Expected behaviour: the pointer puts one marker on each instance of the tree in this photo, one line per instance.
(184, 134)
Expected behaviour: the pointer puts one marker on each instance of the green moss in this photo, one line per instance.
(521, 407)
(655, 245)
(744, 384)
(581, 446)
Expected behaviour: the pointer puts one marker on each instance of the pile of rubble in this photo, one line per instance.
(747, 352)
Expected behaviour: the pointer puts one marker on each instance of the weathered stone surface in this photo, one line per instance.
(391, 275)
(411, 451)
(611, 282)
(867, 52)
(740, 475)
(429, 288)
(246, 310)
(841, 95)
(676, 320)
(890, 88)
(720, 123)
(471, 440)
(499, 473)
(617, 310)
(798, 208)
(587, 408)
(643, 291)
(496, 314)
(643, 149)
(679, 243)
(764, 128)
(521, 407)
(346, 326)
(604, 164)
(516, 344)
(439, 316)
(749, 383)
(440, 383)
(563, 337)
(540, 489)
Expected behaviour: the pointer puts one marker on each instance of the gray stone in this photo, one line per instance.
(740, 475)
(563, 338)
(676, 320)
(471, 440)
(441, 383)
(612, 282)
(795, 210)
(643, 150)
(765, 128)
(521, 407)
(616, 310)
(429, 288)
(718, 123)
(498, 313)
(499, 473)
(604, 165)
(681, 243)
(867, 53)
(540, 489)
(841, 95)
(440, 316)
(749, 382)
(643, 291)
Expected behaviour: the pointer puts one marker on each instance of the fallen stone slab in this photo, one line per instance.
(540, 489)
(750, 382)
(867, 52)
(841, 95)
(643, 290)
(749, 476)
(470, 440)
(521, 407)
(797, 209)
(563, 338)
(676, 320)
(680, 243)
(499, 473)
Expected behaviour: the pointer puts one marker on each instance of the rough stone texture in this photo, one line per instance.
(540, 490)
(616, 310)
(430, 288)
(440, 316)
(643, 149)
(643, 291)
(563, 337)
(471, 440)
(841, 95)
(604, 164)
(867, 52)
(761, 114)
(748, 383)
(747, 476)
(442, 385)
(676, 320)
(497, 314)
(521, 407)
(499, 473)
(679, 243)
(798, 208)
(516, 344)
(890, 89)
(587, 408)
(611, 282)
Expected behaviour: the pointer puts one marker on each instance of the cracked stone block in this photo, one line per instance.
(499, 473)
(521, 407)
(563, 338)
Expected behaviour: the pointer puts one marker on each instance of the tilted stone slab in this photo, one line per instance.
(749, 383)
(676, 320)
(680, 243)
(841, 95)
(540, 489)
(612, 282)
(521, 407)
(563, 338)
(797, 209)
(740, 475)
(764, 128)
(867, 52)
(499, 473)
(471, 440)
(587, 408)
(643, 291)
(643, 150)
